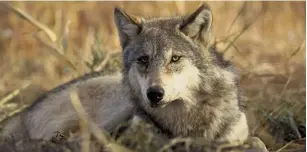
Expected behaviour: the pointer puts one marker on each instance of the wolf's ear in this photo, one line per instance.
(127, 26)
(198, 24)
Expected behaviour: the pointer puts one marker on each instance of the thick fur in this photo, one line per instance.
(201, 96)
(101, 96)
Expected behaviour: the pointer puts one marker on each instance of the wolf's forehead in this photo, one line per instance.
(160, 36)
(160, 39)
(159, 47)
(157, 37)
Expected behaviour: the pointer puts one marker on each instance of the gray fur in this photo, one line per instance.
(101, 96)
(209, 105)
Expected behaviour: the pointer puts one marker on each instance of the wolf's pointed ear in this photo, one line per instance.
(127, 26)
(198, 24)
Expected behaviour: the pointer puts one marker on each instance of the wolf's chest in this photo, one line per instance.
(192, 123)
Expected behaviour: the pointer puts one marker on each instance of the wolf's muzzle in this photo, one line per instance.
(155, 94)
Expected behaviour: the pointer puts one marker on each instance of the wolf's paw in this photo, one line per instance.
(255, 142)
(58, 137)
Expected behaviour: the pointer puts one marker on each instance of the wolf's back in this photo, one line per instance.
(102, 97)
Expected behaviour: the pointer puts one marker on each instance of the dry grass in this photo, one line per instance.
(265, 40)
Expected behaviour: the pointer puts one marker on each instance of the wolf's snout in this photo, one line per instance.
(155, 94)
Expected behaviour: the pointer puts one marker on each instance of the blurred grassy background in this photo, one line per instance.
(265, 40)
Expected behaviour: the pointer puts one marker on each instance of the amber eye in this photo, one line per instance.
(175, 58)
(143, 60)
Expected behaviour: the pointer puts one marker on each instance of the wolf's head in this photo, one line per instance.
(164, 58)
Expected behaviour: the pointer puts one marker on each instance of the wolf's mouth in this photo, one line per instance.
(163, 104)
(158, 105)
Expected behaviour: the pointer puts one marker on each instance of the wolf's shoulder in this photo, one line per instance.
(77, 81)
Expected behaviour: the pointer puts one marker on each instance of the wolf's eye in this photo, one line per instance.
(142, 60)
(175, 58)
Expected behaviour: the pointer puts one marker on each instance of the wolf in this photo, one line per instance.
(177, 80)
(171, 77)
(101, 96)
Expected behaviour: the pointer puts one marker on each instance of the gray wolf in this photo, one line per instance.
(177, 80)
(171, 76)
(101, 95)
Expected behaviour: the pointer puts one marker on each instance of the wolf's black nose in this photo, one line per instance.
(155, 94)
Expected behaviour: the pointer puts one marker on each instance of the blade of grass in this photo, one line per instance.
(85, 145)
(174, 142)
(32, 20)
(237, 16)
(12, 113)
(289, 143)
(12, 95)
(103, 63)
(245, 28)
(56, 51)
(87, 126)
